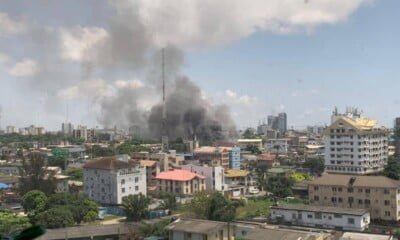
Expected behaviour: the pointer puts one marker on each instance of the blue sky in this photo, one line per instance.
(351, 62)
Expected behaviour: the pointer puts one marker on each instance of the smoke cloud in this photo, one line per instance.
(75, 58)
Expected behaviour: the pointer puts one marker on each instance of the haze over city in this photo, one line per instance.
(71, 59)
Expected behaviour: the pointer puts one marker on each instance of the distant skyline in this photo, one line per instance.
(260, 58)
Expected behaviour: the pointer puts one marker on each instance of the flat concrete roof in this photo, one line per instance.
(322, 209)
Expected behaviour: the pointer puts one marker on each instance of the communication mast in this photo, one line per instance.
(164, 136)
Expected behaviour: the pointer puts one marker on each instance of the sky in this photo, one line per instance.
(303, 57)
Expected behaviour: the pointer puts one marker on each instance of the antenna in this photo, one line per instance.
(164, 137)
(163, 74)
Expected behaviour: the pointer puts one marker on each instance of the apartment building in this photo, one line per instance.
(180, 182)
(107, 180)
(213, 156)
(355, 145)
(378, 194)
(215, 176)
(280, 145)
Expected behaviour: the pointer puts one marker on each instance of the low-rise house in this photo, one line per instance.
(244, 143)
(379, 194)
(107, 180)
(196, 229)
(267, 160)
(239, 179)
(213, 156)
(321, 217)
(215, 176)
(180, 182)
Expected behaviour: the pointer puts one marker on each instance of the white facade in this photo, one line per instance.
(215, 176)
(110, 186)
(279, 145)
(355, 146)
(351, 219)
(11, 129)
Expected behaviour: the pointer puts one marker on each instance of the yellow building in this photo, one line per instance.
(379, 194)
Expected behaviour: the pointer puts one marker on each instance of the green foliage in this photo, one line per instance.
(34, 202)
(157, 229)
(98, 151)
(128, 148)
(396, 233)
(279, 186)
(254, 208)
(11, 222)
(392, 169)
(249, 133)
(76, 141)
(56, 217)
(135, 206)
(57, 162)
(75, 174)
(300, 177)
(34, 175)
(212, 206)
(168, 201)
(316, 166)
(253, 149)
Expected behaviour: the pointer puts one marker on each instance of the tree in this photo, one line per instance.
(56, 217)
(253, 149)
(98, 151)
(34, 175)
(34, 202)
(81, 208)
(135, 206)
(11, 222)
(279, 186)
(168, 201)
(392, 169)
(75, 174)
(124, 148)
(57, 161)
(316, 166)
(157, 229)
(249, 133)
(212, 206)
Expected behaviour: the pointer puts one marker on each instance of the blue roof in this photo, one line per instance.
(4, 186)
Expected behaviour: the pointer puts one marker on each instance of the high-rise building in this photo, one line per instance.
(278, 123)
(67, 128)
(80, 132)
(11, 129)
(355, 145)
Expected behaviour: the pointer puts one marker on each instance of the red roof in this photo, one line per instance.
(178, 175)
(266, 157)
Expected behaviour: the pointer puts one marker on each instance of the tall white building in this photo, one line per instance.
(355, 145)
(11, 129)
(67, 128)
(215, 176)
(107, 180)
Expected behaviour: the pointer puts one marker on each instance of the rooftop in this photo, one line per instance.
(178, 175)
(147, 163)
(196, 226)
(310, 208)
(245, 140)
(364, 236)
(231, 173)
(357, 181)
(266, 157)
(107, 163)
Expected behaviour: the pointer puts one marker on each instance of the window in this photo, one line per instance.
(360, 190)
(351, 200)
(367, 190)
(123, 190)
(333, 199)
(136, 188)
(337, 215)
(387, 214)
(122, 181)
(340, 189)
(360, 201)
(309, 216)
(350, 221)
(316, 198)
(387, 202)
(315, 188)
(350, 190)
(318, 215)
(136, 179)
(340, 200)
(334, 189)
(386, 191)
(294, 216)
(299, 216)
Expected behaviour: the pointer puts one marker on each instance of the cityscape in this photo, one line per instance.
(199, 120)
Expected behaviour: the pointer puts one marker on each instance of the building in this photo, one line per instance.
(315, 130)
(355, 145)
(166, 160)
(378, 194)
(364, 236)
(107, 180)
(196, 229)
(152, 170)
(11, 129)
(80, 132)
(234, 158)
(213, 156)
(67, 128)
(397, 139)
(215, 175)
(280, 145)
(180, 182)
(239, 182)
(267, 160)
(321, 217)
(278, 122)
(244, 143)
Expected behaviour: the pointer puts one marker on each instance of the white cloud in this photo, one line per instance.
(230, 93)
(134, 84)
(10, 26)
(88, 88)
(25, 68)
(82, 43)
(4, 58)
(247, 100)
(202, 23)
(235, 98)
